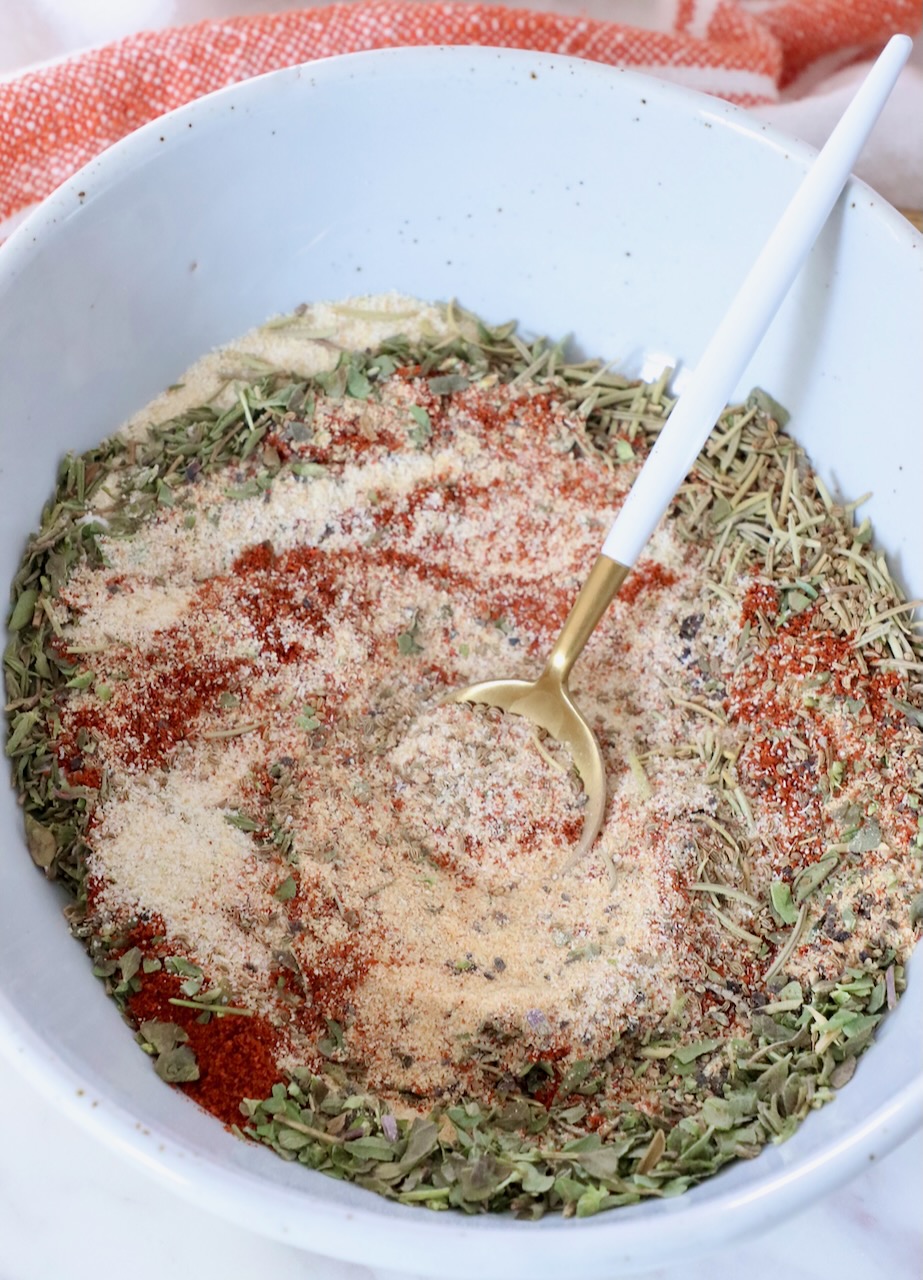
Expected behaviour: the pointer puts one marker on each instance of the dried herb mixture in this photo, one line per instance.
(333, 908)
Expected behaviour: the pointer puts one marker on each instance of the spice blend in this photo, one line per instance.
(334, 907)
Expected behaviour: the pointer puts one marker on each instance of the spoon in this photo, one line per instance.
(547, 701)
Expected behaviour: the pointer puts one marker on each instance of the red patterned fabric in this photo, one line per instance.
(55, 119)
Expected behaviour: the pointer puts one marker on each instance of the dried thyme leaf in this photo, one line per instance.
(423, 428)
(242, 821)
(286, 890)
(843, 1073)
(22, 728)
(726, 1113)
(210, 1005)
(193, 976)
(357, 384)
(407, 642)
(652, 1155)
(23, 610)
(781, 896)
(913, 714)
(689, 1052)
(598, 1161)
(867, 838)
(447, 383)
(576, 1076)
(814, 876)
(250, 489)
(308, 720)
(797, 601)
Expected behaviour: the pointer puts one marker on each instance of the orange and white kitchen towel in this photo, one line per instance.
(793, 62)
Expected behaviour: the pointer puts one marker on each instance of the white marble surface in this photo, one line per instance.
(69, 1207)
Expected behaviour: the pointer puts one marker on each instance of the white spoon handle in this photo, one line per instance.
(726, 357)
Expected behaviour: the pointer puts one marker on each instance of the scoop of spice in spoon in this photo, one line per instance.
(547, 701)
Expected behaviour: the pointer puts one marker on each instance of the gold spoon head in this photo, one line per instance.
(548, 704)
(547, 701)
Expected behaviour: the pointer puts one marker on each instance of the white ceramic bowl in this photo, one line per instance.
(580, 200)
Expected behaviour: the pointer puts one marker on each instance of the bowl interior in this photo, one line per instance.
(578, 199)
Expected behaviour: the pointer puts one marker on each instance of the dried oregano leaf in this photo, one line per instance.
(868, 837)
(497, 1168)
(130, 963)
(41, 842)
(762, 400)
(177, 1066)
(162, 1036)
(843, 1073)
(816, 875)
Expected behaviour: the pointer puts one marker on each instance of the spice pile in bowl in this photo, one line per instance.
(335, 908)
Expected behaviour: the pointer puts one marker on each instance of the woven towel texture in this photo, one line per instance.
(55, 119)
